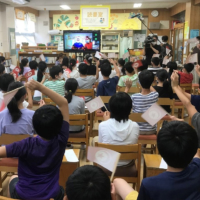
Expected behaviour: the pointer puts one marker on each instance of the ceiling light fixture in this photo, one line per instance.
(66, 7)
(137, 5)
(99, 5)
(21, 1)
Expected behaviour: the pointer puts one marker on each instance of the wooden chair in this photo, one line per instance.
(187, 87)
(82, 137)
(131, 174)
(87, 93)
(24, 79)
(48, 101)
(145, 139)
(9, 164)
(195, 88)
(99, 113)
(131, 90)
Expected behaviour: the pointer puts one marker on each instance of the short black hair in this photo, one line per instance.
(128, 67)
(155, 61)
(155, 36)
(144, 65)
(105, 61)
(177, 143)
(33, 64)
(88, 182)
(106, 69)
(2, 58)
(189, 67)
(5, 80)
(146, 79)
(198, 37)
(47, 121)
(54, 71)
(83, 68)
(172, 66)
(120, 105)
(2, 68)
(165, 38)
(65, 61)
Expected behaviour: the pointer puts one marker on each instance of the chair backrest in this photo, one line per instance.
(78, 120)
(186, 87)
(105, 99)
(128, 152)
(136, 117)
(131, 90)
(6, 139)
(167, 102)
(85, 92)
(48, 101)
(24, 79)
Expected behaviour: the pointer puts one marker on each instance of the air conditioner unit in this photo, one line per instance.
(55, 32)
(21, 1)
(154, 25)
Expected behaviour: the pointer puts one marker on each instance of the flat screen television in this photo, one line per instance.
(81, 41)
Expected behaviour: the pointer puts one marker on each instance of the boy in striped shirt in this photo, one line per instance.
(56, 84)
(143, 101)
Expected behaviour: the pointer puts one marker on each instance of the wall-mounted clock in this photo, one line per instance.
(155, 13)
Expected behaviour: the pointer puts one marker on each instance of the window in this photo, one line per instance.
(25, 31)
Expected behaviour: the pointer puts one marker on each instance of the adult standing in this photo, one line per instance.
(165, 45)
(153, 49)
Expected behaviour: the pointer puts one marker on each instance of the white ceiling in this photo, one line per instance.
(115, 4)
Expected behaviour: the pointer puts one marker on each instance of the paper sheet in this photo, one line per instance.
(71, 156)
(42, 57)
(163, 164)
(37, 94)
(12, 67)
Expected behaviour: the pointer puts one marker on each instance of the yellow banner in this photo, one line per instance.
(118, 21)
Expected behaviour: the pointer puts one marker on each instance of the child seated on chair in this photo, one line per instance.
(117, 128)
(186, 76)
(92, 183)
(5, 80)
(155, 62)
(107, 87)
(85, 81)
(130, 74)
(143, 101)
(15, 119)
(76, 104)
(40, 157)
(177, 144)
(56, 84)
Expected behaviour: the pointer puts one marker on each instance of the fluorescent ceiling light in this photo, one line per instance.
(65, 7)
(20, 1)
(137, 5)
(99, 5)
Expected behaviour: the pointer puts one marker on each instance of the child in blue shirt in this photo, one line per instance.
(178, 145)
(107, 87)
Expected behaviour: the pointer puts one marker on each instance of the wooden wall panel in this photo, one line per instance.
(197, 2)
(29, 10)
(179, 7)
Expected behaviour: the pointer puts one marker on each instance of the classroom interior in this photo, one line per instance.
(34, 29)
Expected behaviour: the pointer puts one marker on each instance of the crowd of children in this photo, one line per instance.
(40, 157)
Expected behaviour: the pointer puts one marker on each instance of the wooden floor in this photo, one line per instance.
(82, 163)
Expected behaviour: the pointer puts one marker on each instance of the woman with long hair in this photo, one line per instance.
(76, 104)
(16, 119)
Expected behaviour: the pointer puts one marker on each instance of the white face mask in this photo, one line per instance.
(61, 77)
(154, 43)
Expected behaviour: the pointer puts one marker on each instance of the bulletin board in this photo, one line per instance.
(12, 41)
(139, 37)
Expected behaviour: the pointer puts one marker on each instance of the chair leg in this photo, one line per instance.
(1, 187)
(182, 114)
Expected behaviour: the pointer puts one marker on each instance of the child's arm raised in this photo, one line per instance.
(97, 69)
(55, 97)
(115, 67)
(185, 100)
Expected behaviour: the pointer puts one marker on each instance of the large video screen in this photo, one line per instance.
(79, 41)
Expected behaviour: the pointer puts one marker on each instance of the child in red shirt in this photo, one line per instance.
(185, 75)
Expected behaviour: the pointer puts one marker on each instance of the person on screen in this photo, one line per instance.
(77, 44)
(88, 44)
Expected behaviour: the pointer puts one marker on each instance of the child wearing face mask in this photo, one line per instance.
(56, 84)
